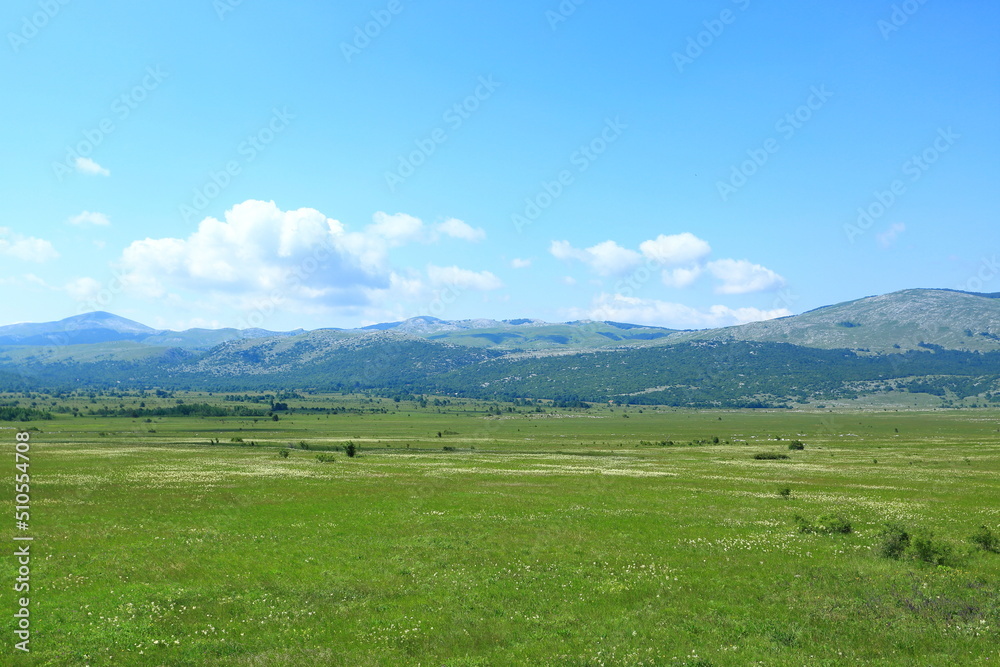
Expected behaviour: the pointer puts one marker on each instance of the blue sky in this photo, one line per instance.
(242, 163)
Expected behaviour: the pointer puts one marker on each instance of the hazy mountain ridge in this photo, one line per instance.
(905, 320)
(886, 323)
(935, 342)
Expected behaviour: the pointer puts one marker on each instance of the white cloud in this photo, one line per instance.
(569, 280)
(260, 251)
(681, 277)
(83, 289)
(260, 259)
(397, 229)
(90, 218)
(889, 236)
(26, 280)
(517, 263)
(453, 276)
(620, 308)
(26, 248)
(743, 277)
(85, 165)
(606, 258)
(460, 230)
(685, 248)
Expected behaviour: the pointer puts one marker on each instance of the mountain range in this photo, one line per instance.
(943, 344)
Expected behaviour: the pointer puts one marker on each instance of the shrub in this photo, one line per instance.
(769, 456)
(828, 524)
(448, 448)
(796, 445)
(927, 550)
(283, 453)
(785, 492)
(893, 541)
(325, 458)
(804, 524)
(985, 540)
(350, 449)
(834, 523)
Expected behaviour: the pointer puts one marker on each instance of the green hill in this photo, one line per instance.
(907, 320)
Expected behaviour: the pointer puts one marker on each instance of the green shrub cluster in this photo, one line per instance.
(897, 542)
(828, 524)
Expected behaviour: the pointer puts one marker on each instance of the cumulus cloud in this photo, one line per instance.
(517, 263)
(675, 249)
(397, 229)
(461, 230)
(621, 308)
(452, 276)
(681, 277)
(259, 250)
(25, 248)
(742, 276)
(85, 165)
(90, 218)
(607, 258)
(682, 258)
(889, 236)
(260, 257)
(83, 289)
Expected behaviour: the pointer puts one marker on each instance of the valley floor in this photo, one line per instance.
(470, 533)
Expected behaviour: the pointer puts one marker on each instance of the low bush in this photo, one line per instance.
(927, 549)
(893, 541)
(834, 523)
(797, 445)
(828, 524)
(769, 456)
(985, 539)
(896, 542)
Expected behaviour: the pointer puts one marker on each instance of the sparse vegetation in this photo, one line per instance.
(828, 524)
(985, 539)
(561, 514)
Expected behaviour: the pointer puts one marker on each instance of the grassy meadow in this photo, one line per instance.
(469, 533)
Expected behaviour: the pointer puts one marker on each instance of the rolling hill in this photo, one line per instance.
(907, 320)
(939, 343)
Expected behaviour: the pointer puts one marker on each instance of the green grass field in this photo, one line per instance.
(529, 538)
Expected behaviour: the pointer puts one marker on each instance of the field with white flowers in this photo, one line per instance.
(469, 533)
